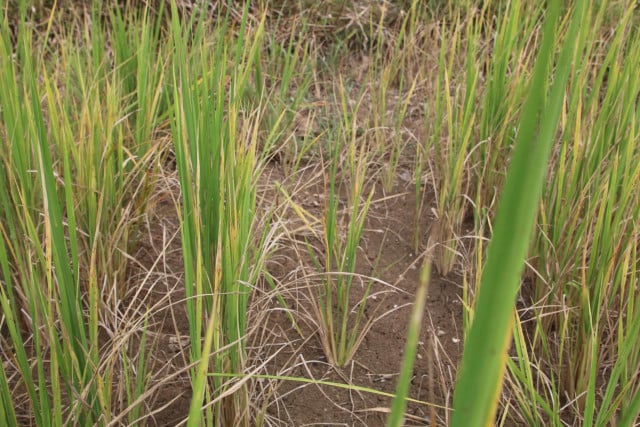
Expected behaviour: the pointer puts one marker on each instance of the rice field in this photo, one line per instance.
(288, 213)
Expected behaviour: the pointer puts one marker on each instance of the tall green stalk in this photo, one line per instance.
(483, 364)
(216, 165)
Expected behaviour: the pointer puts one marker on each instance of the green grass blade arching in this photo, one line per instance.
(399, 404)
(483, 362)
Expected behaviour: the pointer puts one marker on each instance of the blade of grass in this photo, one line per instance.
(483, 363)
(396, 418)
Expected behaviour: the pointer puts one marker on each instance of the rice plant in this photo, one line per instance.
(586, 266)
(486, 346)
(517, 121)
(216, 166)
(451, 137)
(74, 188)
(342, 326)
(577, 276)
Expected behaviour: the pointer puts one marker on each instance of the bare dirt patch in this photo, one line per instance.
(287, 343)
(387, 254)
